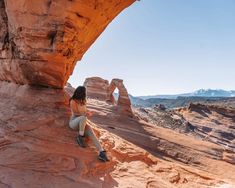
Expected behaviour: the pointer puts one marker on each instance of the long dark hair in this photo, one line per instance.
(79, 95)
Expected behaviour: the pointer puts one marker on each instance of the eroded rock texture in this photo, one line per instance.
(124, 101)
(101, 89)
(214, 123)
(97, 87)
(41, 41)
(38, 149)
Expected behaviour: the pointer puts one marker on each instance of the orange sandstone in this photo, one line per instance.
(41, 41)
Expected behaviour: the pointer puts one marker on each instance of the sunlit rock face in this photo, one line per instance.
(97, 87)
(124, 101)
(41, 41)
(38, 149)
(101, 89)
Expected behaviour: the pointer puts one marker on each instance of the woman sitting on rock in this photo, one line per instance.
(78, 121)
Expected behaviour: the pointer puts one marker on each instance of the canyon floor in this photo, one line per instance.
(39, 150)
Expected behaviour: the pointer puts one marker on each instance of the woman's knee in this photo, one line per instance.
(83, 119)
(73, 124)
(77, 122)
(82, 124)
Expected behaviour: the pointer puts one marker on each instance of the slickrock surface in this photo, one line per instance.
(41, 40)
(164, 118)
(214, 123)
(39, 150)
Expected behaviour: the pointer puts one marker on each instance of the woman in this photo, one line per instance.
(78, 121)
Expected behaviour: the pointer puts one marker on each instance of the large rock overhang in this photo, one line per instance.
(41, 41)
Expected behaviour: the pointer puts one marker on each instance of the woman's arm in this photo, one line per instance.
(89, 113)
(81, 110)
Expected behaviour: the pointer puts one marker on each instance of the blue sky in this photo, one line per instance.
(166, 47)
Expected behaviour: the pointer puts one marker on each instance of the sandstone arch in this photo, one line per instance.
(100, 89)
(123, 99)
(41, 41)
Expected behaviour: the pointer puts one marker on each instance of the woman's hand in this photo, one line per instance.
(89, 113)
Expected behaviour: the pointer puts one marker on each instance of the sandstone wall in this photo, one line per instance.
(41, 41)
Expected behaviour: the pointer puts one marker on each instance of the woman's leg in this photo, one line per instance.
(79, 124)
(90, 133)
(102, 153)
(82, 125)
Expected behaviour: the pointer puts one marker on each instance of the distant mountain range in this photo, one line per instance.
(180, 100)
(198, 93)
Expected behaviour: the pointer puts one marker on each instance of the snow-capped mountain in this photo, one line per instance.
(198, 93)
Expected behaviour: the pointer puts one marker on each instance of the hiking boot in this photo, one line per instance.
(81, 141)
(103, 157)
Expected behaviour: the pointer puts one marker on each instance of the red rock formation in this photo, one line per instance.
(97, 87)
(41, 41)
(101, 89)
(123, 102)
(214, 123)
(229, 156)
(223, 110)
(39, 150)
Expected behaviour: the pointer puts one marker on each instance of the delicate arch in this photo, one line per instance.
(123, 99)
